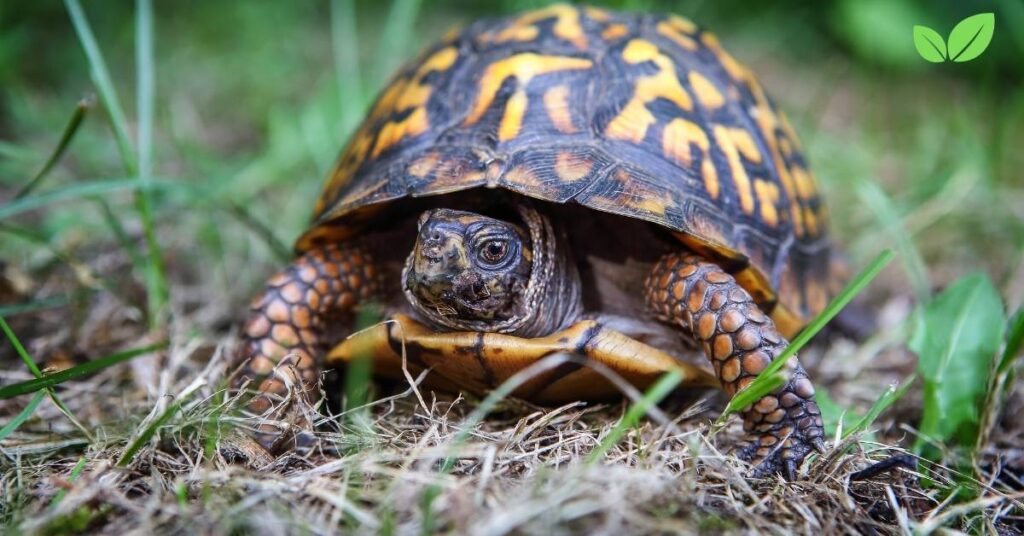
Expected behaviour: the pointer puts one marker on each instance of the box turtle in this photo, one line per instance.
(569, 180)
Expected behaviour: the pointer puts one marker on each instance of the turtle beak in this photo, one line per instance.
(442, 247)
(440, 260)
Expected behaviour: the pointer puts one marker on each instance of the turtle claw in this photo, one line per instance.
(783, 460)
(781, 448)
(790, 472)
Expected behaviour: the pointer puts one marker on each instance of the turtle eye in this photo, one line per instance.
(494, 251)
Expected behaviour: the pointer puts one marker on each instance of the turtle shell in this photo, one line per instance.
(640, 115)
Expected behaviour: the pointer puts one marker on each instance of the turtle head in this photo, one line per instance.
(468, 270)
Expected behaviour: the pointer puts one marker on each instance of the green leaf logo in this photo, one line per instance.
(969, 38)
(929, 44)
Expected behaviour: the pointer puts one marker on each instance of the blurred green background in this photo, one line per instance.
(255, 99)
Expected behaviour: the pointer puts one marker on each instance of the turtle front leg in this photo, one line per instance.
(740, 341)
(283, 338)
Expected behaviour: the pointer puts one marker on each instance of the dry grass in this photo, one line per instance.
(250, 117)
(522, 469)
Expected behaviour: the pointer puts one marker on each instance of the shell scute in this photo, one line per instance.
(645, 116)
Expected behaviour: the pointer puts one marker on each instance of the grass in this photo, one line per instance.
(181, 209)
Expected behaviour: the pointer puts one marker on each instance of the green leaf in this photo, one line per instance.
(929, 44)
(959, 335)
(971, 36)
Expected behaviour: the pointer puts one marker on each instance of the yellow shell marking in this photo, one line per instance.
(515, 109)
(410, 94)
(424, 165)
(804, 182)
(572, 167)
(725, 139)
(682, 24)
(708, 95)
(768, 198)
(515, 33)
(810, 221)
(567, 26)
(640, 196)
(669, 30)
(767, 121)
(736, 70)
(597, 14)
(523, 67)
(614, 31)
(744, 142)
(676, 140)
(633, 121)
(556, 103)
(788, 129)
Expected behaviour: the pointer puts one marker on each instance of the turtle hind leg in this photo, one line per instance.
(283, 337)
(740, 341)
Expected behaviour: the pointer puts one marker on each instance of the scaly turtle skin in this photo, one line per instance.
(565, 180)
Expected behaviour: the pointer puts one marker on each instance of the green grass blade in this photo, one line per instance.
(754, 392)
(75, 471)
(104, 86)
(16, 343)
(145, 87)
(156, 273)
(19, 349)
(22, 416)
(85, 189)
(358, 378)
(65, 139)
(112, 221)
(892, 224)
(281, 251)
(1014, 340)
(147, 434)
(50, 380)
(31, 307)
(347, 73)
(473, 419)
(492, 399)
(654, 395)
(891, 395)
(395, 37)
(768, 380)
(83, 273)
